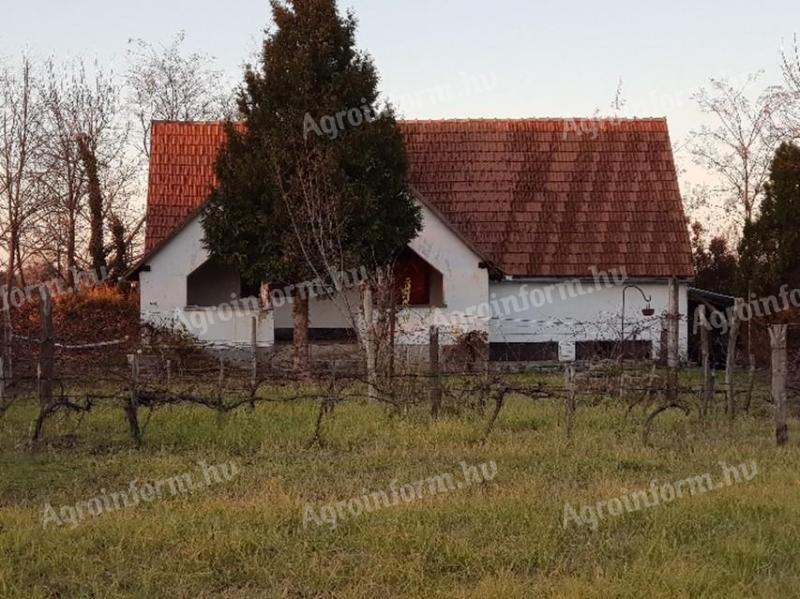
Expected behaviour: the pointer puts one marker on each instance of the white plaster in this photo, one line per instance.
(163, 295)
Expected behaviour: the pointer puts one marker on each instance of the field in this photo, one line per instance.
(252, 534)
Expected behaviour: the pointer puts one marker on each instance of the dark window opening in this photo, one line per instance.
(213, 283)
(317, 335)
(523, 352)
(417, 282)
(249, 289)
(610, 350)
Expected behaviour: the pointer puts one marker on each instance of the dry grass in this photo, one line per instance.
(245, 538)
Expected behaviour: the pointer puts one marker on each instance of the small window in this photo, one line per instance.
(610, 350)
(523, 352)
(250, 290)
(417, 282)
(213, 284)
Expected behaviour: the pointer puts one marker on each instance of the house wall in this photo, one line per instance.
(558, 312)
(465, 285)
(163, 296)
(471, 302)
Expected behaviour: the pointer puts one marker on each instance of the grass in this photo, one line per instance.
(245, 537)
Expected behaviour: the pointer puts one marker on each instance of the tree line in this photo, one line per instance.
(748, 150)
(74, 145)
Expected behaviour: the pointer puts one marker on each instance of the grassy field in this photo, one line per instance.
(245, 537)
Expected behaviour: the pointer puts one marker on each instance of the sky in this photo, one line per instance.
(462, 58)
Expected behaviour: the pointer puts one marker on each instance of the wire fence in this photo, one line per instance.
(143, 373)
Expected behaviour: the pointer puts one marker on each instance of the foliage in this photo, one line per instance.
(93, 315)
(771, 244)
(96, 245)
(715, 266)
(288, 202)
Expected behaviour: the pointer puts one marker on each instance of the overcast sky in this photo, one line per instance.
(463, 58)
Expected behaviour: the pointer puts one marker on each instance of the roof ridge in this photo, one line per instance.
(610, 119)
(536, 119)
(180, 122)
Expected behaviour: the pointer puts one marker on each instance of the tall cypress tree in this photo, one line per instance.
(305, 186)
(770, 248)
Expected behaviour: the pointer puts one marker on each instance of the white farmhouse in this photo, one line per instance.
(533, 231)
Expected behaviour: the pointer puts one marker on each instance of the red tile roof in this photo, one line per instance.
(537, 197)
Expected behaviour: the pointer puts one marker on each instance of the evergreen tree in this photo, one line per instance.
(770, 248)
(313, 180)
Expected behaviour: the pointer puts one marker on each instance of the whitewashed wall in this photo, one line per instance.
(472, 302)
(163, 294)
(594, 316)
(465, 285)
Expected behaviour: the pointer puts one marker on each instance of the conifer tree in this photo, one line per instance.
(313, 180)
(770, 248)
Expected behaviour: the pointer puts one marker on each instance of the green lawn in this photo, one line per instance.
(245, 537)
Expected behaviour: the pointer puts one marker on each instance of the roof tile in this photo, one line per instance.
(536, 196)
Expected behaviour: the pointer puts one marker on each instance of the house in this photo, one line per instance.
(533, 231)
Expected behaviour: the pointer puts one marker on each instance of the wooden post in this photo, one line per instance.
(751, 358)
(569, 407)
(705, 349)
(730, 362)
(392, 336)
(751, 380)
(45, 367)
(777, 335)
(673, 341)
(221, 394)
(254, 351)
(132, 405)
(435, 370)
(253, 360)
(2, 384)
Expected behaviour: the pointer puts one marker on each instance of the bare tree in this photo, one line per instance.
(82, 112)
(20, 199)
(20, 136)
(786, 97)
(737, 147)
(167, 83)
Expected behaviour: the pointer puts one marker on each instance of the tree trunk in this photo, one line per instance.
(20, 267)
(369, 341)
(70, 257)
(300, 349)
(8, 327)
(96, 245)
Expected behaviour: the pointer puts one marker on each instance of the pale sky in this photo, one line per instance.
(465, 58)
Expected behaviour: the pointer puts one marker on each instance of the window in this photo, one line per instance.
(213, 284)
(634, 350)
(417, 282)
(523, 352)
